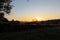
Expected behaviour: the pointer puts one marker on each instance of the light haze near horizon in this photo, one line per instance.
(24, 10)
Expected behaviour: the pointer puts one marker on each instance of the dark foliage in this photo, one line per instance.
(5, 6)
(15, 30)
(16, 26)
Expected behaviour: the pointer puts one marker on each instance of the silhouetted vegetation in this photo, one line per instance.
(43, 30)
(5, 6)
(16, 26)
(30, 30)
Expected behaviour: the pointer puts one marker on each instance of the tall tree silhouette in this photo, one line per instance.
(5, 6)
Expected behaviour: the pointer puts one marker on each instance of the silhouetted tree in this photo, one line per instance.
(5, 6)
(2, 19)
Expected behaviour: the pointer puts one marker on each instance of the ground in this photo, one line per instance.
(35, 34)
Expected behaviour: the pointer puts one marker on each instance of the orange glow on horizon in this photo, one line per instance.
(38, 19)
(28, 19)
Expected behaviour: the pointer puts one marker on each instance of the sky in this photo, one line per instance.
(24, 10)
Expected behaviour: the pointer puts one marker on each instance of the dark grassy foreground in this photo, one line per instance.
(46, 33)
(15, 30)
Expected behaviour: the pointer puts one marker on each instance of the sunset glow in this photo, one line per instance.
(38, 19)
(35, 10)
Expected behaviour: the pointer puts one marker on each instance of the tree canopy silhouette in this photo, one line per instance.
(5, 6)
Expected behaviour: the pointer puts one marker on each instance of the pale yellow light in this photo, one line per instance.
(38, 19)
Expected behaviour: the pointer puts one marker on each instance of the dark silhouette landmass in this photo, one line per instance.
(17, 26)
(16, 30)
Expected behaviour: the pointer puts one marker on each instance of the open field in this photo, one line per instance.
(47, 33)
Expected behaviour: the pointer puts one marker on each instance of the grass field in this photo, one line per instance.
(52, 33)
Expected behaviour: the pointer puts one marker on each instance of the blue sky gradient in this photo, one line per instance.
(49, 9)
